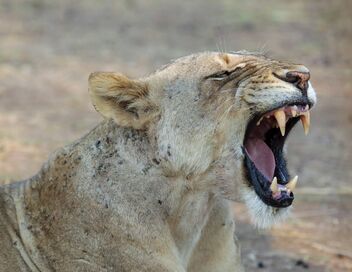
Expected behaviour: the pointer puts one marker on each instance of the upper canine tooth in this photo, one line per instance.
(305, 119)
(274, 186)
(281, 120)
(292, 184)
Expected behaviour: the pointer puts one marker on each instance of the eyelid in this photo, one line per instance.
(222, 74)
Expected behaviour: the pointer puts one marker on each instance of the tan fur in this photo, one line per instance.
(124, 100)
(150, 190)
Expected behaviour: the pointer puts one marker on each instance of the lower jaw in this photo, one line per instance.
(261, 186)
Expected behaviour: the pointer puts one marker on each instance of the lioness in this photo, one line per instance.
(150, 188)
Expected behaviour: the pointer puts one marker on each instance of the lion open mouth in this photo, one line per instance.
(264, 158)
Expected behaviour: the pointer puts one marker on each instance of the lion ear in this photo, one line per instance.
(124, 100)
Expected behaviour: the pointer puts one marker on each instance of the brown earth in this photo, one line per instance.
(48, 48)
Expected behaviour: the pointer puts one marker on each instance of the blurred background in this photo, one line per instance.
(48, 48)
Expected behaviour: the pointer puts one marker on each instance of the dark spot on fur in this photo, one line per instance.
(145, 170)
(169, 150)
(120, 162)
(156, 161)
(160, 202)
(77, 160)
(97, 144)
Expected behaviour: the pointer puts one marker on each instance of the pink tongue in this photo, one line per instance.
(262, 156)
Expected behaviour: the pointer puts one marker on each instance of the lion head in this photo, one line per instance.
(219, 121)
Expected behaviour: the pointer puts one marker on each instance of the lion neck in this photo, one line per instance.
(112, 166)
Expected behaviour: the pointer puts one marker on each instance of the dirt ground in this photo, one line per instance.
(48, 48)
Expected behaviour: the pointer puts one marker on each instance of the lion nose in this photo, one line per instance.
(298, 76)
(299, 79)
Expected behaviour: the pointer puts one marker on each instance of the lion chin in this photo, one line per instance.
(262, 215)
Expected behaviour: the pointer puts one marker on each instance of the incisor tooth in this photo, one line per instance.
(305, 119)
(293, 112)
(273, 186)
(292, 184)
(258, 123)
(281, 120)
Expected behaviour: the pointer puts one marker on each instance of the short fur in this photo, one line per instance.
(149, 190)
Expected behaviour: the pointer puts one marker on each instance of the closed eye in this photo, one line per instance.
(219, 75)
(222, 74)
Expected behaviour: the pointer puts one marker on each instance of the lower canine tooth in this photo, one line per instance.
(273, 186)
(292, 184)
(305, 119)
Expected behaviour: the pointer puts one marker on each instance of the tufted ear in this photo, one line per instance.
(125, 100)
